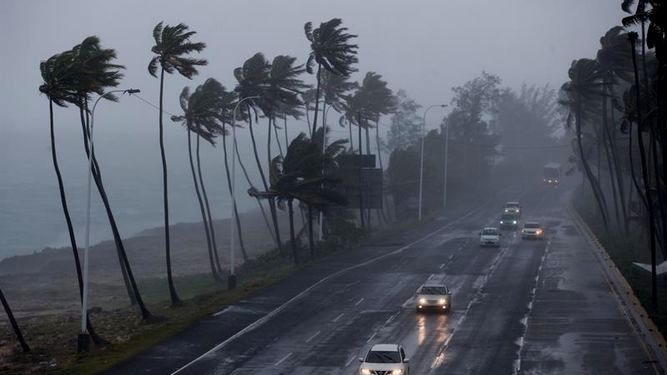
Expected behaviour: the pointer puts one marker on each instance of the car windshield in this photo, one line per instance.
(383, 357)
(532, 225)
(489, 232)
(512, 205)
(507, 217)
(433, 290)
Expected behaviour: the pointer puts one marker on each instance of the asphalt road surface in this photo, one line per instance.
(527, 307)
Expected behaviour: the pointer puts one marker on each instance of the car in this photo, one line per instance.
(508, 221)
(385, 359)
(532, 230)
(489, 236)
(433, 295)
(512, 208)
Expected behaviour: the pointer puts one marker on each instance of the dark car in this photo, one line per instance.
(509, 221)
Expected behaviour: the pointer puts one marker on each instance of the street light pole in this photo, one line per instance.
(83, 340)
(231, 279)
(421, 157)
(444, 189)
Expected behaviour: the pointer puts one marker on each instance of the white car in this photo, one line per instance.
(489, 236)
(512, 208)
(385, 359)
(433, 295)
(532, 230)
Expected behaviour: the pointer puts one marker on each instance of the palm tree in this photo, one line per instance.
(58, 83)
(615, 63)
(632, 37)
(94, 71)
(254, 79)
(199, 117)
(331, 49)
(580, 95)
(172, 45)
(12, 321)
(298, 176)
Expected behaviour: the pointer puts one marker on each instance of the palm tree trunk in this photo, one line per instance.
(126, 269)
(317, 99)
(351, 138)
(368, 152)
(275, 132)
(285, 130)
(97, 177)
(361, 177)
(379, 151)
(617, 169)
(207, 206)
(236, 211)
(214, 271)
(311, 238)
(649, 203)
(165, 201)
(272, 202)
(597, 193)
(607, 141)
(259, 202)
(291, 231)
(12, 321)
(70, 228)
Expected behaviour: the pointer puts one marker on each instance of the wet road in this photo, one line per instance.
(529, 307)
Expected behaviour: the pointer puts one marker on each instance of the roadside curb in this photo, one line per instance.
(653, 341)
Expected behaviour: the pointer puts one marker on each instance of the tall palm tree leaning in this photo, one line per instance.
(331, 49)
(199, 117)
(253, 80)
(172, 45)
(580, 94)
(57, 86)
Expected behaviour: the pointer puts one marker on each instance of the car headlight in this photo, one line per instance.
(397, 372)
(442, 301)
(502, 222)
(514, 222)
(365, 371)
(422, 300)
(539, 231)
(506, 210)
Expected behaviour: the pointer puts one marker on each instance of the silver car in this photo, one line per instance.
(433, 295)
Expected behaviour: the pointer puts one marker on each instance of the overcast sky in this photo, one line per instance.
(423, 46)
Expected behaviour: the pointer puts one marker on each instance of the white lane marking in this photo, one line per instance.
(391, 318)
(358, 302)
(313, 336)
(222, 311)
(338, 317)
(261, 321)
(371, 338)
(349, 361)
(442, 265)
(282, 360)
(410, 301)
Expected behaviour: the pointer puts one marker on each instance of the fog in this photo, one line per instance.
(423, 47)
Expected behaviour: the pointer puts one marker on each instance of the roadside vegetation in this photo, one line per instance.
(615, 104)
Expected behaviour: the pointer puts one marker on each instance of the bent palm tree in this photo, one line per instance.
(199, 117)
(298, 176)
(580, 96)
(12, 321)
(172, 45)
(331, 49)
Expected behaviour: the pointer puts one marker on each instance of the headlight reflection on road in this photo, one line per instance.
(421, 330)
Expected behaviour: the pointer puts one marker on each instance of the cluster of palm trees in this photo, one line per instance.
(617, 104)
(300, 170)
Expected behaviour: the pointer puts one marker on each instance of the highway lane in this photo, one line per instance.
(327, 331)
(528, 307)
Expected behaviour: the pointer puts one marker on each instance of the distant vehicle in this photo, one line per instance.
(433, 295)
(532, 230)
(552, 174)
(512, 208)
(385, 359)
(489, 236)
(509, 221)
